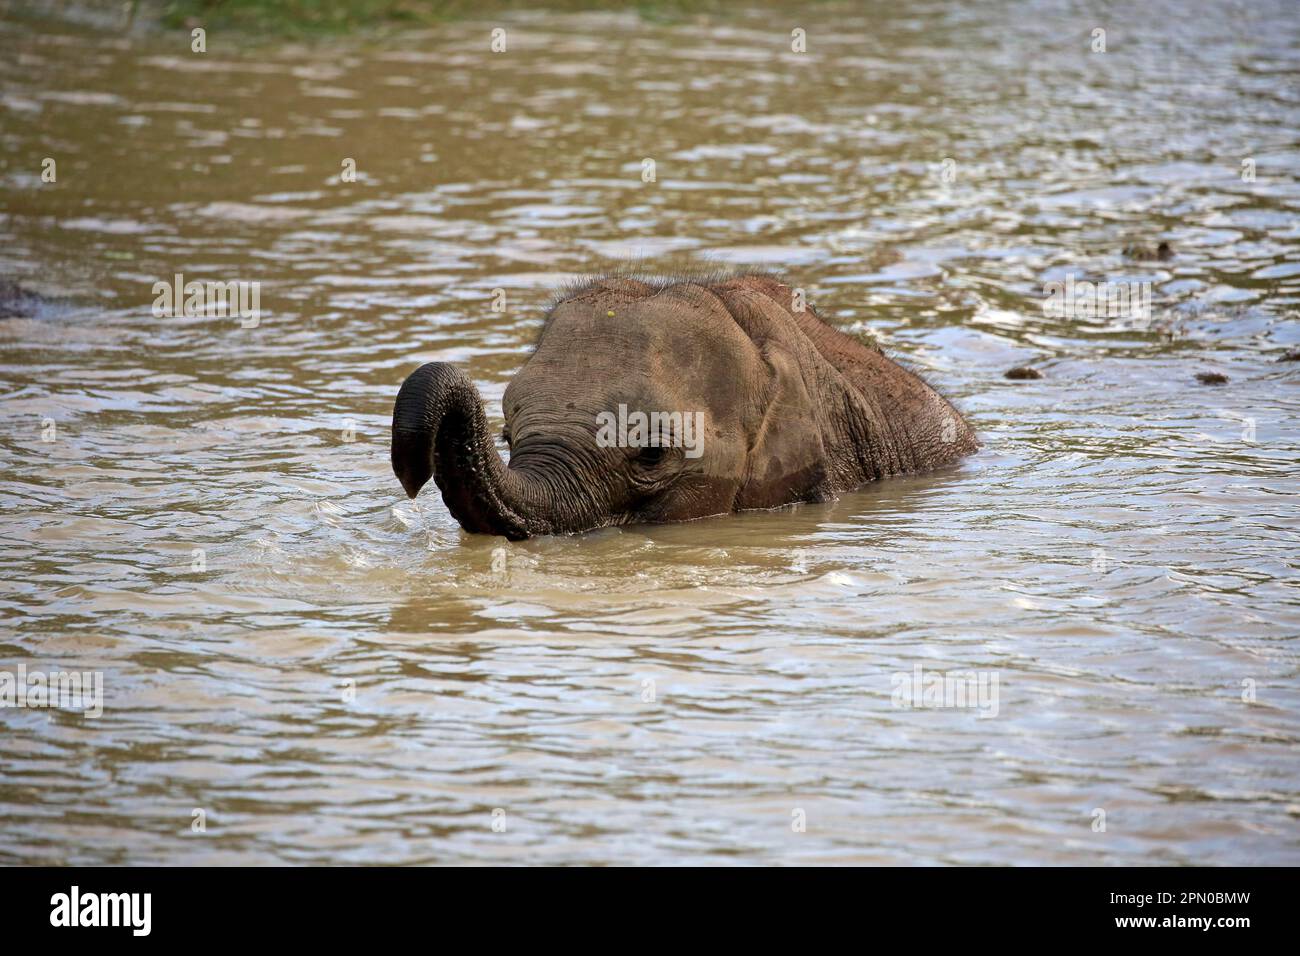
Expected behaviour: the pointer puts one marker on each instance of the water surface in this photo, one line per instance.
(335, 674)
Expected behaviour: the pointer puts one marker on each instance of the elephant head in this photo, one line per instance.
(665, 401)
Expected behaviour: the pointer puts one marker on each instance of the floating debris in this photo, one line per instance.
(1136, 250)
(1023, 372)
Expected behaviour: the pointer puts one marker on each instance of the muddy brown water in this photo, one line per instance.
(204, 513)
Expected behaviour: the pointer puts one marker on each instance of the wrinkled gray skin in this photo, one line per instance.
(794, 411)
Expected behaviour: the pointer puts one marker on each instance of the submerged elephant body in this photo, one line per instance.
(651, 401)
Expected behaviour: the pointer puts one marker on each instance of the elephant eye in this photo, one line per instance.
(651, 455)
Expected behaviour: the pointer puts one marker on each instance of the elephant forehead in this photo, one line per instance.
(675, 321)
(670, 347)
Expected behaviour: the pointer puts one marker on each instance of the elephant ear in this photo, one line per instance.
(792, 445)
(870, 413)
(788, 453)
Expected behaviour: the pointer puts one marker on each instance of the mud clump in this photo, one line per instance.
(1022, 372)
(1137, 250)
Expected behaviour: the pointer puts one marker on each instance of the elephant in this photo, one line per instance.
(784, 408)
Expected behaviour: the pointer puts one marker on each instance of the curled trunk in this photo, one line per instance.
(440, 431)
